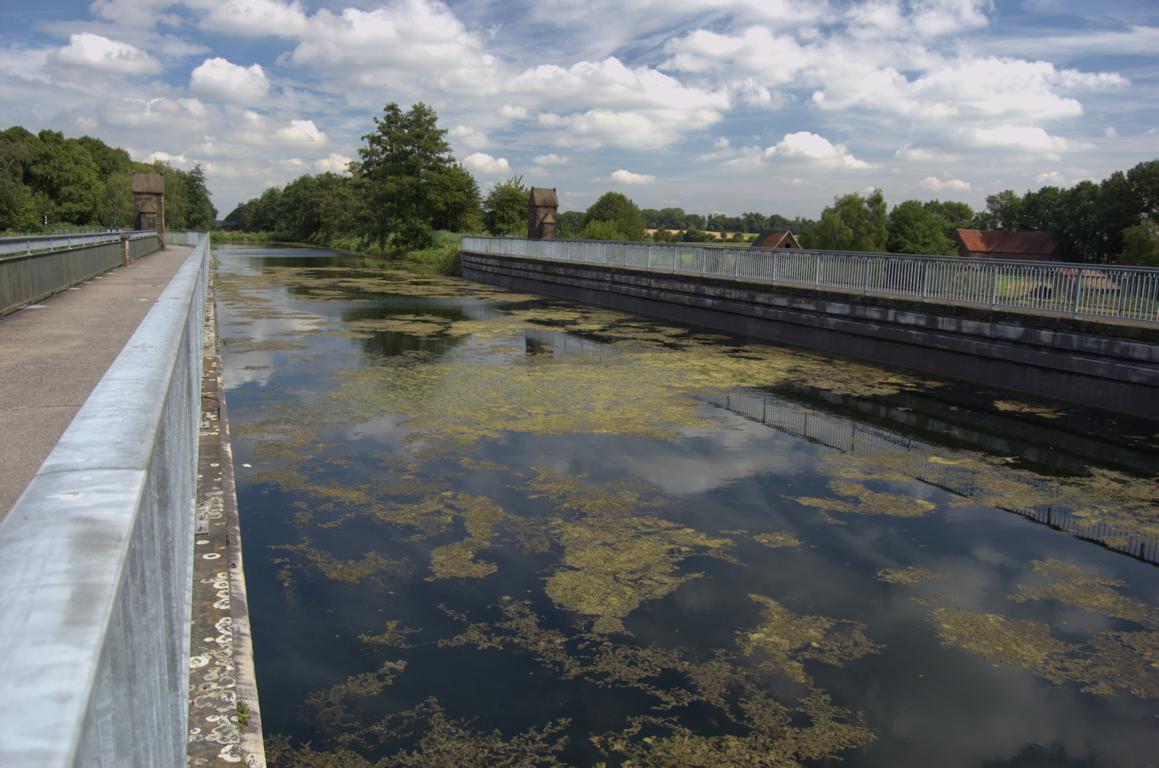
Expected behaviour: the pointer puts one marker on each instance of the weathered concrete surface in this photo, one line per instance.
(96, 558)
(1113, 366)
(53, 354)
(222, 683)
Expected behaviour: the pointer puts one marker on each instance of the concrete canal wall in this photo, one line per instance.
(1111, 365)
(97, 561)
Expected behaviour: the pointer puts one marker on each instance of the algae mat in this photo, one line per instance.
(488, 529)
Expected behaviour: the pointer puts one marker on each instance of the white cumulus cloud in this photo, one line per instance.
(87, 50)
(1028, 138)
(937, 185)
(334, 163)
(804, 145)
(627, 177)
(512, 112)
(482, 163)
(254, 18)
(220, 79)
(300, 133)
(413, 45)
(551, 159)
(468, 137)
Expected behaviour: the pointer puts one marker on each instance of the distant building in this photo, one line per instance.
(993, 244)
(776, 238)
(542, 207)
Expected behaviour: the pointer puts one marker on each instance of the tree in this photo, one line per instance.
(455, 200)
(853, 223)
(570, 224)
(1144, 180)
(620, 212)
(1119, 209)
(915, 228)
(67, 176)
(505, 208)
(1141, 245)
(409, 179)
(1003, 211)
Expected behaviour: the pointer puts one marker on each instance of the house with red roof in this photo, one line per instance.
(994, 244)
(776, 238)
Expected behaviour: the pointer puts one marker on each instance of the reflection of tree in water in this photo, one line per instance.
(432, 340)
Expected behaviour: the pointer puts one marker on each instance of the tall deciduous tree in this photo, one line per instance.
(853, 223)
(617, 216)
(409, 179)
(914, 227)
(505, 208)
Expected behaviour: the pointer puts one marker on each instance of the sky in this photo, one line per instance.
(774, 106)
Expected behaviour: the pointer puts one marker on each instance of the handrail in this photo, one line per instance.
(1077, 290)
(96, 560)
(35, 243)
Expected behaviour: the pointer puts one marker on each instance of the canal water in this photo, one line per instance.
(491, 529)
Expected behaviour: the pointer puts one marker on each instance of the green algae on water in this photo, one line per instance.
(909, 576)
(788, 640)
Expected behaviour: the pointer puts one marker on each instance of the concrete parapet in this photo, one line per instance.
(96, 560)
(1109, 365)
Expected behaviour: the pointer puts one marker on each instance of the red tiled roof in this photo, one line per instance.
(776, 238)
(1027, 243)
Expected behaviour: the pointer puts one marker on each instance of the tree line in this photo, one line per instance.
(45, 177)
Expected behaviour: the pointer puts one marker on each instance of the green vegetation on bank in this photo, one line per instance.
(85, 183)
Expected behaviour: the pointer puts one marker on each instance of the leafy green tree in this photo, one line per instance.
(455, 201)
(67, 176)
(915, 228)
(1079, 231)
(853, 223)
(1141, 245)
(570, 224)
(1003, 211)
(618, 210)
(1144, 180)
(1119, 209)
(408, 178)
(505, 208)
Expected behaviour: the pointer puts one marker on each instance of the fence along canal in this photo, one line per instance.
(1077, 290)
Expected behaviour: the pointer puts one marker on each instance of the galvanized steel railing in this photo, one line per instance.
(61, 242)
(96, 560)
(1126, 293)
(29, 277)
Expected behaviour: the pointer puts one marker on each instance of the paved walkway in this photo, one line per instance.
(52, 354)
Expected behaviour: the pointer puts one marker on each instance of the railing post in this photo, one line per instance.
(994, 286)
(816, 270)
(865, 286)
(1078, 292)
(925, 279)
(773, 279)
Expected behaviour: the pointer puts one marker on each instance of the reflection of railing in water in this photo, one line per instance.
(561, 344)
(850, 436)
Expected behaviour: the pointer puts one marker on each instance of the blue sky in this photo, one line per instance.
(710, 105)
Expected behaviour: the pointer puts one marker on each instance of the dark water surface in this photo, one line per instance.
(491, 529)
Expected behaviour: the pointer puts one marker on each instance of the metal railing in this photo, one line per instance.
(96, 560)
(29, 277)
(1126, 293)
(62, 242)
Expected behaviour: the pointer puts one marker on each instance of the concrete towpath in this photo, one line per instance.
(53, 353)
